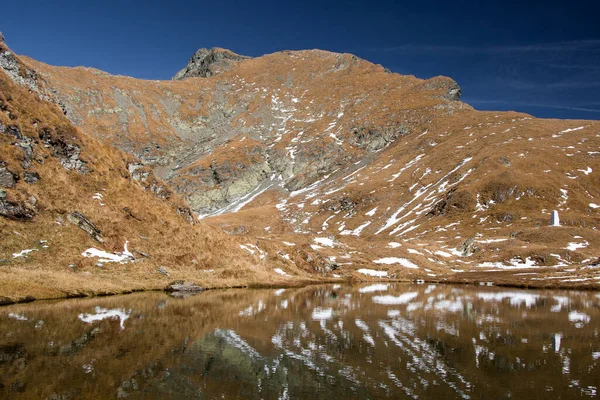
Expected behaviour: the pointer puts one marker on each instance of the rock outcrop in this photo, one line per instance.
(209, 62)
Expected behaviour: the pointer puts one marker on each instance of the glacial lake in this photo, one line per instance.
(364, 341)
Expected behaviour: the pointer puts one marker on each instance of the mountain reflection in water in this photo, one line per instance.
(324, 342)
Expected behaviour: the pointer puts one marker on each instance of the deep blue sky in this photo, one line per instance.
(540, 57)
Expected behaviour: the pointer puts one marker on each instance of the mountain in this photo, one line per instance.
(79, 217)
(327, 165)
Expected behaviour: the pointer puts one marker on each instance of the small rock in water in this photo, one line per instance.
(554, 220)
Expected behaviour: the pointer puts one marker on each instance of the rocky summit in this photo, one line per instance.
(303, 165)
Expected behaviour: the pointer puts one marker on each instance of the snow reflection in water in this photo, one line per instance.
(368, 341)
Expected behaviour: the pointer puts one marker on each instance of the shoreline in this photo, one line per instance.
(4, 301)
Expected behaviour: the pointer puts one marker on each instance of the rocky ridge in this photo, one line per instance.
(209, 62)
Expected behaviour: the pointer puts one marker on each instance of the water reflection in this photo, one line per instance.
(369, 341)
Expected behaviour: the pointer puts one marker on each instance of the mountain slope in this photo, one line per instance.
(359, 168)
(79, 217)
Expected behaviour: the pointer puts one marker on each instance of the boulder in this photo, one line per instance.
(80, 220)
(31, 177)
(16, 211)
(185, 287)
(7, 178)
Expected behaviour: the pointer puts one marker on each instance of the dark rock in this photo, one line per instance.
(504, 217)
(453, 201)
(11, 352)
(80, 220)
(148, 181)
(141, 253)
(186, 213)
(448, 88)
(14, 131)
(17, 387)
(163, 271)
(505, 161)
(67, 153)
(342, 204)
(181, 286)
(7, 178)
(209, 62)
(15, 211)
(238, 230)
(468, 247)
(373, 139)
(31, 177)
(2, 194)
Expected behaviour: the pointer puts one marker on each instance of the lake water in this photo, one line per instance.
(319, 342)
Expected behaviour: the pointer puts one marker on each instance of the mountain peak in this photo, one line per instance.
(208, 62)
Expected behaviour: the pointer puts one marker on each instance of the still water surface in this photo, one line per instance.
(324, 342)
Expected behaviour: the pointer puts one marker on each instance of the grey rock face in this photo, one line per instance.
(67, 153)
(373, 139)
(31, 177)
(7, 178)
(454, 93)
(15, 211)
(209, 62)
(145, 177)
(80, 220)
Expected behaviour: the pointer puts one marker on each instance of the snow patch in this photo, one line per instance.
(397, 260)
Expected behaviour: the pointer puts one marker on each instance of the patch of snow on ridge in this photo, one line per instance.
(586, 171)
(396, 260)
(372, 272)
(23, 253)
(575, 246)
(106, 257)
(324, 241)
(357, 231)
(103, 313)
(281, 272)
(395, 300)
(514, 264)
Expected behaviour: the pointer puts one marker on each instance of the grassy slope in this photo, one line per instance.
(127, 213)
